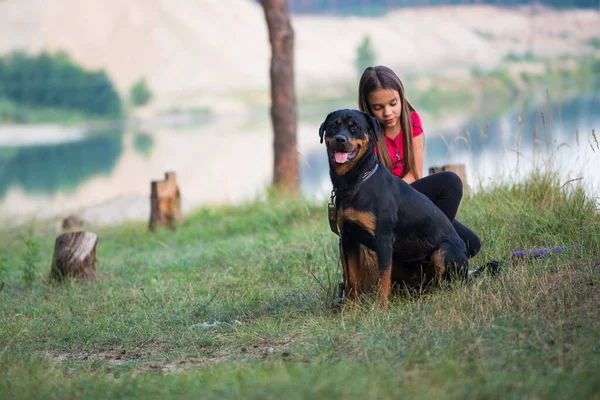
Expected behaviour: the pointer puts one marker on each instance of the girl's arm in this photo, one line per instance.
(417, 144)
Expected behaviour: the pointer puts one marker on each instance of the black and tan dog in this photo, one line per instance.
(382, 212)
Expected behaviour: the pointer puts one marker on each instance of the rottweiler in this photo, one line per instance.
(374, 208)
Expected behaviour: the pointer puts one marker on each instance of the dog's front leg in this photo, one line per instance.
(351, 263)
(383, 247)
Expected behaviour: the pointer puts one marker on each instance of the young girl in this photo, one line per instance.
(400, 149)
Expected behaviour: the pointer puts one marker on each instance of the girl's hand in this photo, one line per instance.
(417, 145)
(409, 178)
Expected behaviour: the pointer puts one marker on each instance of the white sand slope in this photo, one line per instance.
(191, 48)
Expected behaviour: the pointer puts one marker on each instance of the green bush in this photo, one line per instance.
(140, 93)
(53, 80)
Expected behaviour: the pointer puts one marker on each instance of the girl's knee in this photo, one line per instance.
(473, 246)
(452, 182)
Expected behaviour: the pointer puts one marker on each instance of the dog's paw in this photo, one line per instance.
(491, 268)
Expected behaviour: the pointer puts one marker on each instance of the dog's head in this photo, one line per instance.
(348, 135)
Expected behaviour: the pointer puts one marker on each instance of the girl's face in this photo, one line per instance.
(386, 106)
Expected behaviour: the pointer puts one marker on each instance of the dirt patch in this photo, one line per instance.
(108, 356)
(276, 349)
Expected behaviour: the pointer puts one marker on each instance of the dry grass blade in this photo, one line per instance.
(461, 138)
(517, 152)
(535, 128)
(482, 132)
(303, 158)
(446, 143)
(543, 121)
(571, 180)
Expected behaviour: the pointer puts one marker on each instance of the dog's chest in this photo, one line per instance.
(357, 223)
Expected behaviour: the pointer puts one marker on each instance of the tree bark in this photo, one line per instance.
(458, 169)
(165, 203)
(74, 257)
(283, 98)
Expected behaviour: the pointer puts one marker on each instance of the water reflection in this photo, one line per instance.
(555, 135)
(48, 169)
(107, 176)
(143, 142)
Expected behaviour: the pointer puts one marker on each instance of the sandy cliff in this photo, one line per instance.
(189, 49)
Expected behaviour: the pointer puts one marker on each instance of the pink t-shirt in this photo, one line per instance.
(396, 148)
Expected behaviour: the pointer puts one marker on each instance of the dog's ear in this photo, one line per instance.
(323, 127)
(373, 124)
(322, 130)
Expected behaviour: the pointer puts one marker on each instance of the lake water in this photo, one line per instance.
(105, 176)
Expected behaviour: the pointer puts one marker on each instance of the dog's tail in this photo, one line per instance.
(536, 253)
(493, 268)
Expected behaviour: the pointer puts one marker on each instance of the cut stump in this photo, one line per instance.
(458, 169)
(165, 203)
(74, 257)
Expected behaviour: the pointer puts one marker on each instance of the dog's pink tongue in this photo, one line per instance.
(340, 157)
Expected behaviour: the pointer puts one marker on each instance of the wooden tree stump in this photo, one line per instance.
(458, 169)
(165, 203)
(74, 256)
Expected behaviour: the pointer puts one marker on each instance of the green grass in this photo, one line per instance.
(267, 271)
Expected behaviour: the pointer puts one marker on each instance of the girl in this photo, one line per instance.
(400, 150)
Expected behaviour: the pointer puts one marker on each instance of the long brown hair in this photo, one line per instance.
(381, 77)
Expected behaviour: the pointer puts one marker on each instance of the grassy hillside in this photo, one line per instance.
(238, 304)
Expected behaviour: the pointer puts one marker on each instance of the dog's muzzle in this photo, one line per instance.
(340, 149)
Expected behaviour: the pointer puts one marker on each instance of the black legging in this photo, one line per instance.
(445, 189)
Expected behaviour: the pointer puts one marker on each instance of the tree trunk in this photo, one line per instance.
(165, 203)
(458, 169)
(74, 256)
(283, 98)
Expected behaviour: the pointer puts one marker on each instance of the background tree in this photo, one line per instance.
(365, 56)
(140, 93)
(283, 98)
(54, 80)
